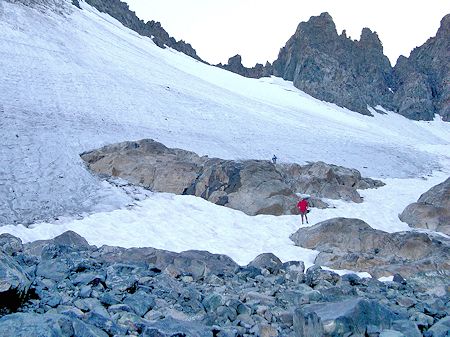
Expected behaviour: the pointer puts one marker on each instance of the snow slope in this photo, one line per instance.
(76, 80)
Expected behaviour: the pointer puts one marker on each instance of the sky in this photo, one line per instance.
(257, 29)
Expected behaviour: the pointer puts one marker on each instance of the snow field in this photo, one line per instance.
(75, 82)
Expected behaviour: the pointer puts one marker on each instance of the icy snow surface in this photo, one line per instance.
(76, 81)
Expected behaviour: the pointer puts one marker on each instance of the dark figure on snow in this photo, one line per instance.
(303, 207)
(274, 159)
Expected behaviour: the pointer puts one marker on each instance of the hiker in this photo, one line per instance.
(303, 207)
(274, 159)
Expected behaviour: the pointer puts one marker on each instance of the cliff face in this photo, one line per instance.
(121, 12)
(332, 67)
(356, 74)
(423, 80)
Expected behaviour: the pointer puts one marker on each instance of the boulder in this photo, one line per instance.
(66, 240)
(307, 324)
(9, 244)
(14, 283)
(351, 317)
(431, 211)
(441, 328)
(352, 244)
(267, 261)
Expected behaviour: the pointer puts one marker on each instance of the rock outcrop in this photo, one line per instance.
(235, 65)
(152, 29)
(352, 244)
(327, 181)
(111, 291)
(431, 211)
(251, 186)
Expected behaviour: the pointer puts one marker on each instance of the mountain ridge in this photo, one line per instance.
(356, 73)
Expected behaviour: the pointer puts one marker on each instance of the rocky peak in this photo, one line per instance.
(370, 40)
(318, 32)
(444, 29)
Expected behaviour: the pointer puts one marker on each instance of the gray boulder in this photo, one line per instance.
(441, 328)
(14, 283)
(267, 261)
(307, 324)
(68, 239)
(351, 317)
(9, 244)
(431, 211)
(173, 327)
(352, 244)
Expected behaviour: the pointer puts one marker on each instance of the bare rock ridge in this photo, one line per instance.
(120, 11)
(431, 211)
(356, 74)
(251, 186)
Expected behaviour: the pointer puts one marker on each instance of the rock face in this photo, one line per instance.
(252, 186)
(120, 11)
(334, 68)
(111, 291)
(431, 211)
(421, 85)
(356, 74)
(352, 244)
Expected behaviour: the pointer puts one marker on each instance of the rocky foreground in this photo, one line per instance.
(65, 287)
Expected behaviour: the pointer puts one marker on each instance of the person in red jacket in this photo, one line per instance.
(303, 207)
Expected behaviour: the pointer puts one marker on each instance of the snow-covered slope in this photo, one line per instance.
(75, 80)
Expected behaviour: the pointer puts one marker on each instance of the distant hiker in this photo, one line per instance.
(303, 207)
(274, 159)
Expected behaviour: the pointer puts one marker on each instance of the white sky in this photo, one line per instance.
(257, 29)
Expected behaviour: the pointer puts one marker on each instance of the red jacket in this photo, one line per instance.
(302, 205)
